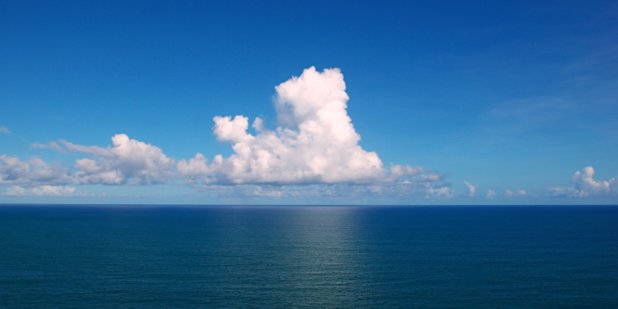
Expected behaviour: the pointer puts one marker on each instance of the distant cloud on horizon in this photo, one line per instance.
(471, 189)
(583, 184)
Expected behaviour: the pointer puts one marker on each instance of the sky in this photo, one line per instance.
(283, 102)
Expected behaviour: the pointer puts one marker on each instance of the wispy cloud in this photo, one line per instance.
(471, 188)
(4, 130)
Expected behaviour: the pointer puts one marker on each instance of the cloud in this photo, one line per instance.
(194, 168)
(44, 190)
(583, 184)
(490, 194)
(471, 189)
(4, 130)
(315, 141)
(125, 161)
(515, 193)
(33, 171)
(357, 193)
(439, 192)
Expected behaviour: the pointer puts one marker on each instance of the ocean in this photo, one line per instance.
(320, 257)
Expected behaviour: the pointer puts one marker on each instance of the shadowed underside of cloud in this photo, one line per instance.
(34, 177)
(32, 172)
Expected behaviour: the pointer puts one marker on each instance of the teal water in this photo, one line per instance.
(344, 257)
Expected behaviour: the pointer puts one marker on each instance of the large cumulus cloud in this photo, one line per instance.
(315, 141)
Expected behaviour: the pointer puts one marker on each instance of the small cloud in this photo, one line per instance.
(471, 189)
(515, 193)
(490, 194)
(4, 130)
(439, 192)
(584, 184)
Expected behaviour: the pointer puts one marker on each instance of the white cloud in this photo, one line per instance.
(125, 161)
(315, 141)
(471, 189)
(194, 168)
(4, 130)
(515, 193)
(44, 190)
(584, 184)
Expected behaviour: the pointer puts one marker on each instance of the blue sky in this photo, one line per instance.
(516, 99)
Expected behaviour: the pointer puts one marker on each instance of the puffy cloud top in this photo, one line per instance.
(315, 141)
(585, 184)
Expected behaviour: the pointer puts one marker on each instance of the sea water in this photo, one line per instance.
(292, 256)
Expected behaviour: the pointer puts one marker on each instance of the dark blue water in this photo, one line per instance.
(308, 256)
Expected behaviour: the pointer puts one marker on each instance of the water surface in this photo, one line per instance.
(230, 256)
